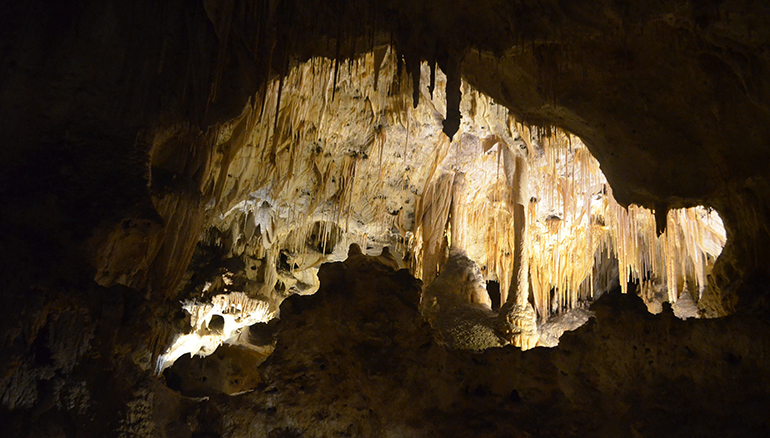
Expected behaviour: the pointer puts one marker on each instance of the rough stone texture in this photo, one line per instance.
(117, 126)
(551, 330)
(230, 370)
(356, 360)
(459, 283)
(458, 307)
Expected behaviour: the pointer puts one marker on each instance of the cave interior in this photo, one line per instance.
(306, 218)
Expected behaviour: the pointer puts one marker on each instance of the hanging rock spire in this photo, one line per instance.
(661, 214)
(451, 122)
(414, 67)
(432, 83)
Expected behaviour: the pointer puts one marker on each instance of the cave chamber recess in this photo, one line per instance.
(333, 155)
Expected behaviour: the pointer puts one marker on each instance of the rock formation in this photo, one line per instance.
(174, 174)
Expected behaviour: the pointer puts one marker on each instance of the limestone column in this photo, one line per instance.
(516, 314)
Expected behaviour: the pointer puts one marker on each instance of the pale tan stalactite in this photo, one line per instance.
(458, 220)
(436, 204)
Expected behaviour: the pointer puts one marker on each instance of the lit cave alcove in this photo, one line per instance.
(370, 185)
(285, 218)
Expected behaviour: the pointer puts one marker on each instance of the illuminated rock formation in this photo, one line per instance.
(530, 209)
(458, 307)
(173, 173)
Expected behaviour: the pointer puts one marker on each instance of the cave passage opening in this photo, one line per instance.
(327, 158)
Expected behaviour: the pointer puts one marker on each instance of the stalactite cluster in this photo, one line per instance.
(323, 158)
(573, 224)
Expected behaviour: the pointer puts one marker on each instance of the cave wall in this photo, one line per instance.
(371, 367)
(119, 120)
(647, 86)
(94, 239)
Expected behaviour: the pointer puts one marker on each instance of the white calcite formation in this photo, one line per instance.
(225, 319)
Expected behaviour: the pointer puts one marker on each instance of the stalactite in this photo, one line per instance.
(432, 84)
(414, 67)
(276, 135)
(661, 214)
(459, 223)
(529, 205)
(435, 206)
(453, 95)
(237, 311)
(222, 18)
(379, 56)
(337, 51)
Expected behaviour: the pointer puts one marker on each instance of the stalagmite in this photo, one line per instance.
(516, 313)
(458, 307)
(516, 178)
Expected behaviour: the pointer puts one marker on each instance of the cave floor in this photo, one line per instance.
(355, 359)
